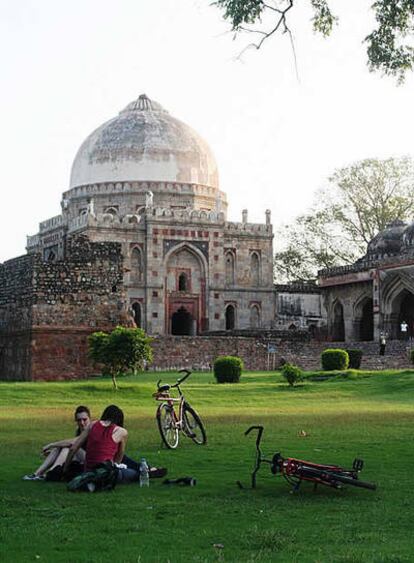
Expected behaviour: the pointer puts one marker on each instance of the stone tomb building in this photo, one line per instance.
(142, 236)
(376, 293)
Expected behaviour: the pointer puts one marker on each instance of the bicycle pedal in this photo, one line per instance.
(358, 464)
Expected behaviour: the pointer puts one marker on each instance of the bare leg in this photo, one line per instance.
(48, 462)
(60, 459)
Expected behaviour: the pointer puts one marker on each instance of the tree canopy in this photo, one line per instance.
(358, 202)
(389, 45)
(123, 350)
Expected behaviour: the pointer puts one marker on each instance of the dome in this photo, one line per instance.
(408, 237)
(144, 143)
(388, 241)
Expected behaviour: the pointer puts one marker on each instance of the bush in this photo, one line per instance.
(333, 358)
(412, 355)
(291, 373)
(227, 369)
(355, 357)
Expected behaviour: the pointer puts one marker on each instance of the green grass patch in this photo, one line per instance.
(357, 414)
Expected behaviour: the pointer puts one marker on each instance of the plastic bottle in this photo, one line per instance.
(143, 473)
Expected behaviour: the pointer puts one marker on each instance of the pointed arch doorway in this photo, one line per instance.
(182, 323)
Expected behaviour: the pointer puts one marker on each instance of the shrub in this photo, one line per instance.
(124, 349)
(412, 355)
(355, 357)
(227, 369)
(291, 373)
(333, 358)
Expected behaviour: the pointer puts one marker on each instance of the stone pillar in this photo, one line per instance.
(244, 216)
(376, 305)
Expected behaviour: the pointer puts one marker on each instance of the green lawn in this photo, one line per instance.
(368, 415)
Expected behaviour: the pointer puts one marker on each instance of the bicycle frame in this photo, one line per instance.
(163, 395)
(296, 470)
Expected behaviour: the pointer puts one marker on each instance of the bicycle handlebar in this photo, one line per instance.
(179, 381)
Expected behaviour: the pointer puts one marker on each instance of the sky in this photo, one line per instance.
(277, 130)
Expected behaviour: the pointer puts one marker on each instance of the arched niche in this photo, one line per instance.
(254, 269)
(254, 316)
(137, 268)
(137, 314)
(364, 319)
(230, 265)
(338, 323)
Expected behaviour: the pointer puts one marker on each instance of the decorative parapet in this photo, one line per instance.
(32, 241)
(185, 215)
(104, 220)
(248, 228)
(297, 288)
(142, 187)
(51, 224)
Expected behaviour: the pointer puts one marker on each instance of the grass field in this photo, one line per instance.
(365, 415)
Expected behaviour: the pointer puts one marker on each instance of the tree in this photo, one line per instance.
(388, 45)
(121, 351)
(359, 201)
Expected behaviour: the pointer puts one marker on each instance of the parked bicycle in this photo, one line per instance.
(296, 470)
(170, 423)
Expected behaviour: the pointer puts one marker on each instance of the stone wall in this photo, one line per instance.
(61, 353)
(199, 352)
(47, 309)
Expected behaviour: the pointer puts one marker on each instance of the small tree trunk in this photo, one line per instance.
(113, 375)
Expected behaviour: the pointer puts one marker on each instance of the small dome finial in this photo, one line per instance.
(143, 103)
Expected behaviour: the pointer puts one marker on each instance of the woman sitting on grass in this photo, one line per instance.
(104, 440)
(57, 452)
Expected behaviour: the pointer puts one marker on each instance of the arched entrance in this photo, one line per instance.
(182, 322)
(136, 311)
(406, 314)
(366, 324)
(230, 317)
(338, 325)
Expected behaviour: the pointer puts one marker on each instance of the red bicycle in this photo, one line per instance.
(296, 470)
(170, 423)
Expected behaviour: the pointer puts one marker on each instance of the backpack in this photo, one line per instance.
(101, 478)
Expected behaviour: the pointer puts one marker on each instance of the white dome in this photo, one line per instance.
(144, 144)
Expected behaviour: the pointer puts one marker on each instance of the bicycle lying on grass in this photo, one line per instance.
(187, 420)
(296, 470)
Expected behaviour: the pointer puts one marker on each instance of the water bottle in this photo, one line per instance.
(143, 473)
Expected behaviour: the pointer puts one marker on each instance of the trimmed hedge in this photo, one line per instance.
(291, 373)
(227, 369)
(334, 358)
(355, 358)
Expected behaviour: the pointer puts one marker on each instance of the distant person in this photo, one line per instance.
(56, 452)
(383, 343)
(404, 330)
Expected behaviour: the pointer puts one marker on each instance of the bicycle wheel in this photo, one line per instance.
(167, 425)
(354, 482)
(192, 425)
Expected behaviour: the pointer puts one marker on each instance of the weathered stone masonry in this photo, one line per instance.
(48, 309)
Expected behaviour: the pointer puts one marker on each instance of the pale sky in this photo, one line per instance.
(68, 67)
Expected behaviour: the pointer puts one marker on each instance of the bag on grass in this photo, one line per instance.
(101, 478)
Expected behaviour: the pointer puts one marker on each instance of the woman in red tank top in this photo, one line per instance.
(105, 439)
